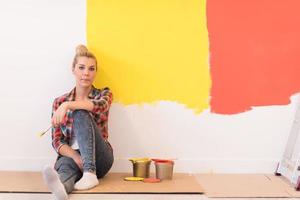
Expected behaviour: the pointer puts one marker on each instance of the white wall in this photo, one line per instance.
(37, 42)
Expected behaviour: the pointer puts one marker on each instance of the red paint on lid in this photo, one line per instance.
(162, 161)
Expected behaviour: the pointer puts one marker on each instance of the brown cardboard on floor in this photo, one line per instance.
(181, 183)
(240, 185)
(284, 183)
(112, 183)
(21, 182)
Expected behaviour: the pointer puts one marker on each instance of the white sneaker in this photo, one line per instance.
(87, 181)
(55, 186)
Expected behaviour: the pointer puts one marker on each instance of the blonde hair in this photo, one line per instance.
(82, 51)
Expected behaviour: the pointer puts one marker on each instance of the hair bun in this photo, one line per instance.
(81, 49)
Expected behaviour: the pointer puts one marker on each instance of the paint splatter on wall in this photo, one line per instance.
(151, 50)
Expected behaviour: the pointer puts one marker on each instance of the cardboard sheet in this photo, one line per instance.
(112, 183)
(21, 182)
(240, 185)
(284, 183)
(213, 185)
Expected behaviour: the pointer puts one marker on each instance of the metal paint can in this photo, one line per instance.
(164, 169)
(141, 167)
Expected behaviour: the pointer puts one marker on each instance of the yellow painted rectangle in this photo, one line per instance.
(151, 50)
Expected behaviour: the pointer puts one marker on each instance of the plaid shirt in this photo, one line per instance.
(101, 98)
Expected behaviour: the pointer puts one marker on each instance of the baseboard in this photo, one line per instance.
(211, 166)
(181, 165)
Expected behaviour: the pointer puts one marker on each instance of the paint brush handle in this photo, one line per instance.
(43, 133)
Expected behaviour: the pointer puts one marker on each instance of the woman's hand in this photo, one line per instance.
(67, 151)
(78, 161)
(59, 115)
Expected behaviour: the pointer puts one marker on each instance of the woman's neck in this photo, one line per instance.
(82, 93)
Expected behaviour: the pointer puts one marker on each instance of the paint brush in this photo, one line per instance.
(43, 133)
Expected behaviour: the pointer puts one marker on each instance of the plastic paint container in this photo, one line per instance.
(164, 168)
(141, 167)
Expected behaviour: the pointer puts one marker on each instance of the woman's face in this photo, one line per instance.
(85, 71)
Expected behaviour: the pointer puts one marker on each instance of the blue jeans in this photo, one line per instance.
(96, 153)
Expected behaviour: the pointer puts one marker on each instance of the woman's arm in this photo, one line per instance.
(101, 103)
(58, 138)
(76, 105)
(66, 150)
(59, 115)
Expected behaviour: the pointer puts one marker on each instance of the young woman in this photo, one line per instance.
(79, 132)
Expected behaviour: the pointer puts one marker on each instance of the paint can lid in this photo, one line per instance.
(162, 161)
(132, 178)
(145, 160)
(151, 180)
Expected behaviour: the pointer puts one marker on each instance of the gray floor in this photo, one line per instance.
(21, 196)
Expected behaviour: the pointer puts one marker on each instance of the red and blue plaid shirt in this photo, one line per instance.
(101, 98)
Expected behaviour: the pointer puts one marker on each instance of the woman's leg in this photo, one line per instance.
(68, 172)
(96, 153)
(62, 178)
(85, 135)
(104, 155)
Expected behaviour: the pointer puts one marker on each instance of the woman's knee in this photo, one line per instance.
(80, 113)
(66, 164)
(80, 116)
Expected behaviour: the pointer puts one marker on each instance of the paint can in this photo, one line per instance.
(164, 169)
(141, 167)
